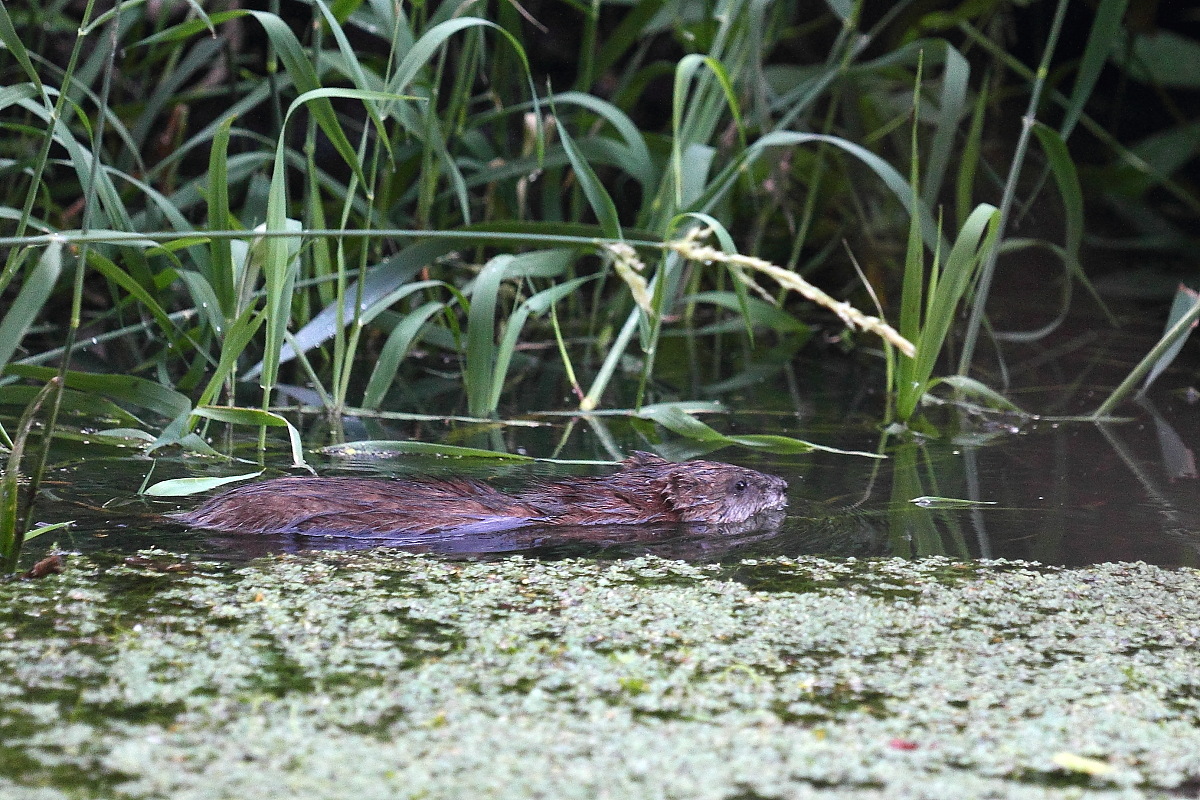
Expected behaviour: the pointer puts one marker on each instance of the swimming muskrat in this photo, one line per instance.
(647, 489)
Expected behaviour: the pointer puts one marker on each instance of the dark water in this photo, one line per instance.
(1059, 492)
(1068, 493)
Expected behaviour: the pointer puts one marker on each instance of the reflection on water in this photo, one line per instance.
(1066, 493)
(687, 542)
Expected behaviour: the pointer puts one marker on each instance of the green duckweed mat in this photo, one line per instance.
(388, 675)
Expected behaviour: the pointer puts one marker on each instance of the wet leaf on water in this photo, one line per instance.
(927, 501)
(1083, 764)
(38, 531)
(184, 487)
(387, 449)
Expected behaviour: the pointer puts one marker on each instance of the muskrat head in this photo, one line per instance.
(708, 491)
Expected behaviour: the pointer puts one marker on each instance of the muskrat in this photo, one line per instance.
(647, 489)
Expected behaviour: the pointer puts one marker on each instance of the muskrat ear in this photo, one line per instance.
(640, 458)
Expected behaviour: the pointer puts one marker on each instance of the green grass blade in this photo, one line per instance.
(382, 279)
(10, 537)
(393, 352)
(178, 433)
(221, 278)
(1014, 245)
(15, 94)
(237, 339)
(1063, 167)
(787, 445)
(635, 155)
(969, 160)
(957, 72)
(1069, 189)
(973, 244)
(54, 526)
(304, 77)
(128, 388)
(368, 315)
(188, 29)
(536, 305)
(678, 421)
(113, 273)
(78, 403)
(279, 266)
(29, 301)
(981, 391)
(356, 72)
(1106, 30)
(12, 42)
(597, 196)
(681, 136)
(256, 417)
(427, 46)
(891, 178)
(1184, 305)
(481, 318)
(909, 385)
(1168, 344)
(481, 343)
(81, 162)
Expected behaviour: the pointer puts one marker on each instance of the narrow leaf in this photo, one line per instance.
(28, 303)
(387, 449)
(185, 487)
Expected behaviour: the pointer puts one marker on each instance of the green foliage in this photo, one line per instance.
(13, 530)
(383, 199)
(928, 310)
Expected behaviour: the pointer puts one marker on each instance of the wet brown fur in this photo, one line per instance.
(647, 489)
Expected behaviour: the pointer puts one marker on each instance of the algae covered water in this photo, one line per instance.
(387, 674)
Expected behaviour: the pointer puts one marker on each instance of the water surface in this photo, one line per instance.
(1063, 493)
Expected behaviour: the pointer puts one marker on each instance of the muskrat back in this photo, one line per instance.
(647, 489)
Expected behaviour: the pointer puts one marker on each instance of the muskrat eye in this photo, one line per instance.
(740, 486)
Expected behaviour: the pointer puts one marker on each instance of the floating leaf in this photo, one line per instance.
(125, 436)
(47, 528)
(678, 421)
(1082, 764)
(387, 449)
(926, 501)
(184, 487)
